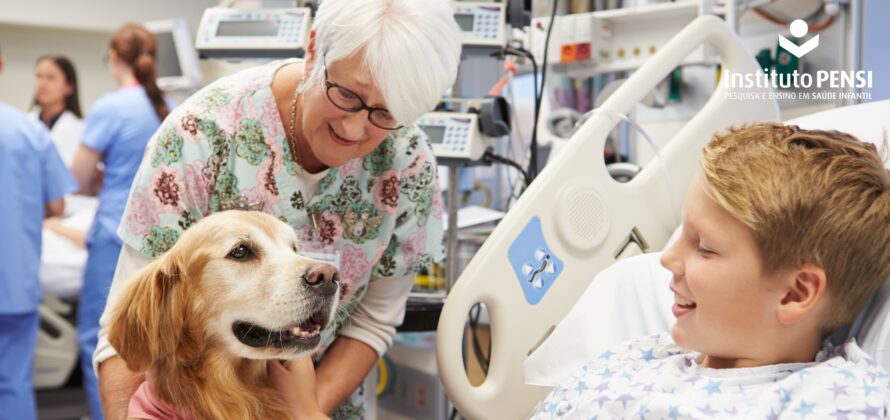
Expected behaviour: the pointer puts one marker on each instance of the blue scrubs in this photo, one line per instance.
(31, 175)
(118, 126)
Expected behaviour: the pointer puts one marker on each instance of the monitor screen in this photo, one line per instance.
(436, 133)
(247, 28)
(177, 60)
(167, 57)
(465, 21)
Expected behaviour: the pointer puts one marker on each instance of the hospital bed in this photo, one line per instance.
(574, 221)
(62, 264)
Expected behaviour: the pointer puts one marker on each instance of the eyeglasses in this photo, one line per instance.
(349, 101)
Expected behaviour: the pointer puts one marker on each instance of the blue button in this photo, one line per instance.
(535, 265)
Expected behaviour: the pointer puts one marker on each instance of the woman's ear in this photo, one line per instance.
(803, 294)
(147, 323)
(310, 53)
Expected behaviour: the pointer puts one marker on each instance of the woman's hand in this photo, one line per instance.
(295, 381)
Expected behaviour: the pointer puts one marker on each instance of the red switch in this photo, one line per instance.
(582, 51)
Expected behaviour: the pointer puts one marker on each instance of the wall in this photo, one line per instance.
(99, 15)
(78, 29)
(875, 33)
(22, 45)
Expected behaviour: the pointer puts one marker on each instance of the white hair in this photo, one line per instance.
(411, 48)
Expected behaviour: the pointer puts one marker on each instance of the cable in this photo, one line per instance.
(665, 175)
(479, 186)
(514, 153)
(477, 346)
(533, 159)
(519, 51)
(814, 27)
(490, 157)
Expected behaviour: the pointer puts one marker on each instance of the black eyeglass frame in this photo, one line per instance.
(361, 103)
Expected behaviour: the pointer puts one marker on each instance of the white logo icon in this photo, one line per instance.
(799, 29)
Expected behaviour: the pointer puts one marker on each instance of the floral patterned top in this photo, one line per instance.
(225, 147)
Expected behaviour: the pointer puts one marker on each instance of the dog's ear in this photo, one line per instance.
(148, 324)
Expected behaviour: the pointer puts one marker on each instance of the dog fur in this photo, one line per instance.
(176, 319)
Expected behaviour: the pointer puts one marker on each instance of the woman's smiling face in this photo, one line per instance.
(335, 136)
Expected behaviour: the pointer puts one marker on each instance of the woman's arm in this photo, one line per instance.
(54, 208)
(85, 168)
(343, 368)
(363, 339)
(74, 235)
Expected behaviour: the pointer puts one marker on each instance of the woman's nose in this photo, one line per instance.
(353, 125)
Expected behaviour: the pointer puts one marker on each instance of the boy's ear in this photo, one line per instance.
(804, 292)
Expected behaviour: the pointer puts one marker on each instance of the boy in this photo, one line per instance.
(786, 235)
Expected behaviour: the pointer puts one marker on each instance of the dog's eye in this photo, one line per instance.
(240, 252)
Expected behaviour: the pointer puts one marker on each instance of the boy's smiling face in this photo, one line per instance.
(725, 306)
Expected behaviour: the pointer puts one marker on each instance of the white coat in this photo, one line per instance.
(66, 134)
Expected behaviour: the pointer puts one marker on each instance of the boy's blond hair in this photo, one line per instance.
(810, 196)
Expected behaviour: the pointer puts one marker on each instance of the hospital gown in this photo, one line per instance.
(653, 378)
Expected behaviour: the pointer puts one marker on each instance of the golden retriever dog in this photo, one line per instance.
(203, 320)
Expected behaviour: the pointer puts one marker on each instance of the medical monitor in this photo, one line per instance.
(229, 33)
(482, 23)
(177, 60)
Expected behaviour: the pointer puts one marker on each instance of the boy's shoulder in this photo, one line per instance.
(847, 365)
(844, 380)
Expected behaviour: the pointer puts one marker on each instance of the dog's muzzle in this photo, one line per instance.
(323, 280)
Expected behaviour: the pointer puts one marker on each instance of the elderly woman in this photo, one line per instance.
(329, 146)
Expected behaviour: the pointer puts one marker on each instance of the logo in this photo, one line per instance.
(787, 81)
(799, 29)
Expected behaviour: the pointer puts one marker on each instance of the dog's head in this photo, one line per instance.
(233, 281)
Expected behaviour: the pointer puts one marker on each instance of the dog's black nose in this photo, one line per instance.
(323, 277)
